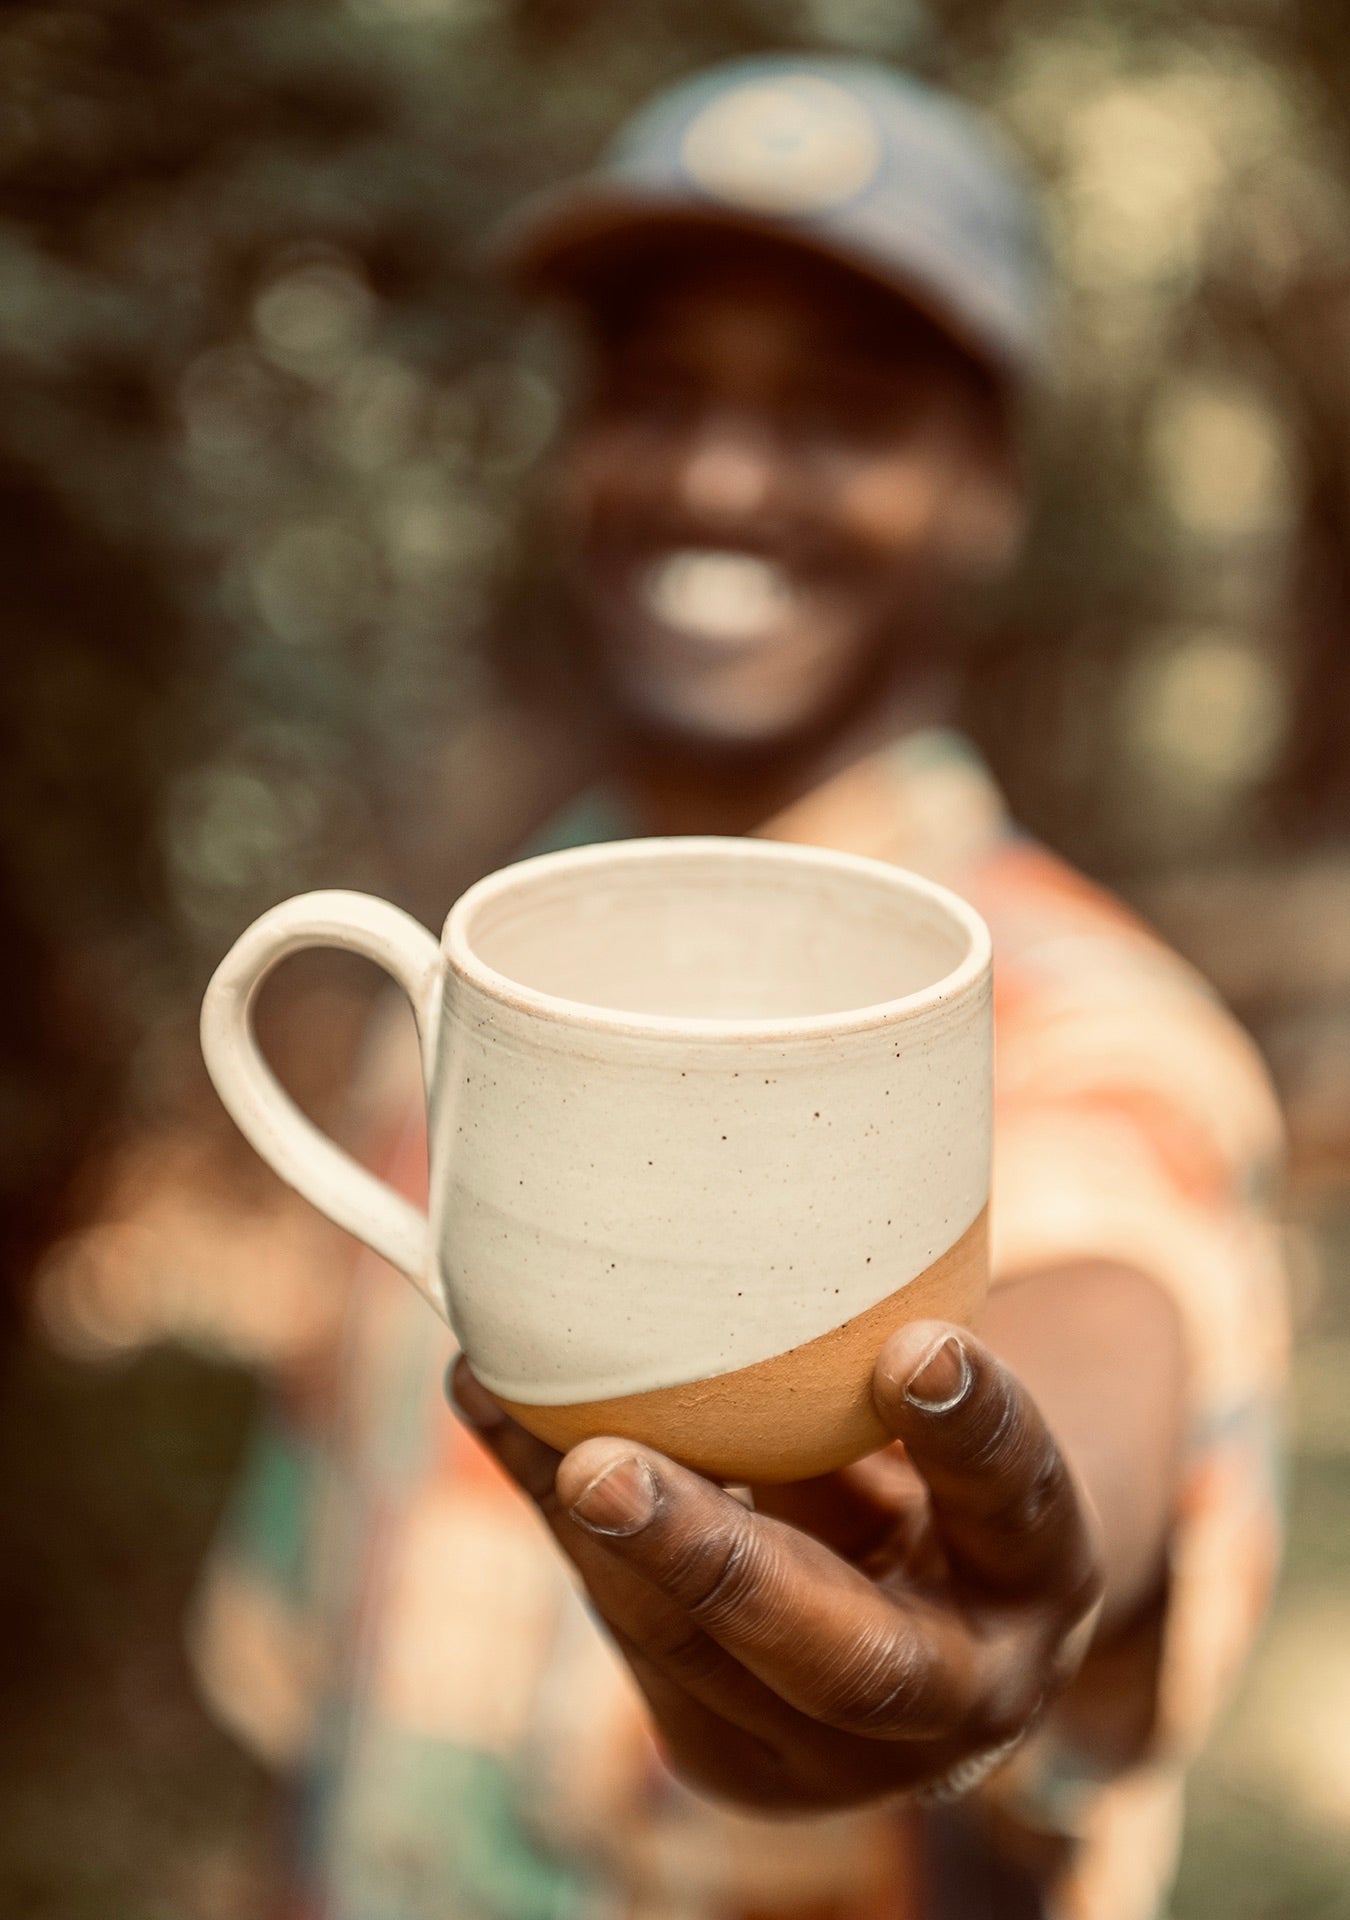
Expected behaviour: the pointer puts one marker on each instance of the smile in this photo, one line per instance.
(718, 596)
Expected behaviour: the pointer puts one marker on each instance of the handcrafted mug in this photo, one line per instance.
(709, 1119)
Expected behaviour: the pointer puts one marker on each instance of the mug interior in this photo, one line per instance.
(720, 930)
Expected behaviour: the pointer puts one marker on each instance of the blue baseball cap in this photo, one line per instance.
(849, 160)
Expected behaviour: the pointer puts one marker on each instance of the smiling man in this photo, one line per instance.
(963, 1678)
(776, 476)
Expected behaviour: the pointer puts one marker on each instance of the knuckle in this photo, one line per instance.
(1036, 1498)
(875, 1689)
(716, 1577)
(687, 1655)
(1026, 1493)
(995, 1433)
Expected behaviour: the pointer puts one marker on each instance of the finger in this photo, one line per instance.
(789, 1763)
(725, 1726)
(876, 1508)
(813, 1629)
(531, 1463)
(718, 1752)
(655, 1633)
(1004, 1502)
(618, 1592)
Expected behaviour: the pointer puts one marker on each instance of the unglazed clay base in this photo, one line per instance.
(804, 1412)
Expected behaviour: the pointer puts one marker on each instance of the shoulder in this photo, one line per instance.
(1093, 1008)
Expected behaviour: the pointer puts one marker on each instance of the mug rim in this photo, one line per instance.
(500, 987)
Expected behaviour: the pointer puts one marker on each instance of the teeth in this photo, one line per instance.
(720, 596)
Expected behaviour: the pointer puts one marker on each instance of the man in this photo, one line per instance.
(963, 1677)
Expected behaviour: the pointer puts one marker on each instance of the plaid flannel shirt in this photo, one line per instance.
(384, 1611)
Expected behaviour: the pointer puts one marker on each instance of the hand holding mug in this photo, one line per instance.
(895, 1626)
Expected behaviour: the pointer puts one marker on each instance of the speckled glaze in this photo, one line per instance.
(801, 1413)
(708, 1118)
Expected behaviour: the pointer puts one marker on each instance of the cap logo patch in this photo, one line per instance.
(796, 145)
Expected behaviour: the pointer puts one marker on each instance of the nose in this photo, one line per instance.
(726, 468)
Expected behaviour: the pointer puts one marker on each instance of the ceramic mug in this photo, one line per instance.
(709, 1119)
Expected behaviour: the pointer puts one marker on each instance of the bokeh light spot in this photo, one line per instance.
(314, 581)
(312, 318)
(1205, 711)
(1222, 460)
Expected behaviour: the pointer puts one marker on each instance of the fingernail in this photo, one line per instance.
(621, 1500)
(474, 1404)
(942, 1378)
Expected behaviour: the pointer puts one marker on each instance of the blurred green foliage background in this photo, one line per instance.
(265, 432)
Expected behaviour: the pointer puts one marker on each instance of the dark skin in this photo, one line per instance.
(866, 1633)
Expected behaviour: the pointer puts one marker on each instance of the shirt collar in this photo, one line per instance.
(926, 801)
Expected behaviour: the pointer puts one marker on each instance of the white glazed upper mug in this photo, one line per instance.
(709, 1119)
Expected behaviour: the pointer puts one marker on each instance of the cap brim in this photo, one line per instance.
(563, 240)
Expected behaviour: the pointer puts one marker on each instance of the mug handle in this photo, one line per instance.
(266, 1115)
